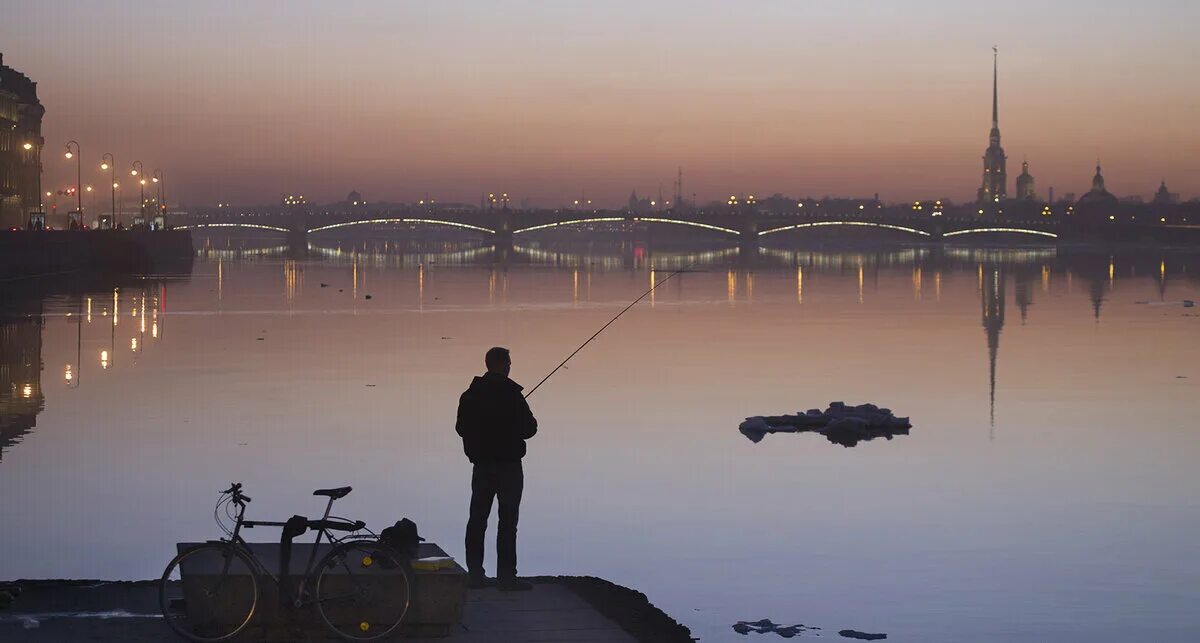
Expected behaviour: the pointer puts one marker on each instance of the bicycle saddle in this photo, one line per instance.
(340, 492)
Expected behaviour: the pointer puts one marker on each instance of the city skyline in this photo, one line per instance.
(795, 104)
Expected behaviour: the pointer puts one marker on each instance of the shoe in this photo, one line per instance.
(479, 582)
(513, 585)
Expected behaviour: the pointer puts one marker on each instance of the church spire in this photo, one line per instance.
(995, 88)
(994, 187)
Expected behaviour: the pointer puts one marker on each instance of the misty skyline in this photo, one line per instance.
(245, 102)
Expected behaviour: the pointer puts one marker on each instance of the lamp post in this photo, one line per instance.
(162, 195)
(28, 146)
(78, 179)
(135, 171)
(107, 162)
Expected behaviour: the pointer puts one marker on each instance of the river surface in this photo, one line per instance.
(1047, 492)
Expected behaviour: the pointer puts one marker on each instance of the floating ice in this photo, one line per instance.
(840, 424)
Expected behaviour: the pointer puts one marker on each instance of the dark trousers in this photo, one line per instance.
(503, 480)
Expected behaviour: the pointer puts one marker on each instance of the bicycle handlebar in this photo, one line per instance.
(235, 490)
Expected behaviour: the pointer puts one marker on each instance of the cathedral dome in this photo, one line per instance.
(1098, 203)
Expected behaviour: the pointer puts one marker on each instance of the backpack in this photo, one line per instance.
(402, 537)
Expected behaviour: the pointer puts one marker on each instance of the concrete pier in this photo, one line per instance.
(567, 609)
(25, 252)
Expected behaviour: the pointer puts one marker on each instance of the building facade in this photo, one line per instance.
(20, 148)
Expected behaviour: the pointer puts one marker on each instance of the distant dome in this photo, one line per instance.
(354, 196)
(1164, 196)
(1098, 203)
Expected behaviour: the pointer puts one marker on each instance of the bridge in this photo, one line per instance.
(500, 227)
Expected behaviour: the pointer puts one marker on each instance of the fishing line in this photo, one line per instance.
(597, 333)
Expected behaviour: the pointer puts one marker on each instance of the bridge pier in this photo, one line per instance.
(297, 241)
(503, 240)
(748, 239)
(637, 232)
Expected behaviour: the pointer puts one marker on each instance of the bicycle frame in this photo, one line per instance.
(297, 599)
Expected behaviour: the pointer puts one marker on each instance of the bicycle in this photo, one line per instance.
(360, 588)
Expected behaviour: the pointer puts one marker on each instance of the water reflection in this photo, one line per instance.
(22, 326)
(21, 397)
(992, 299)
(28, 306)
(1073, 493)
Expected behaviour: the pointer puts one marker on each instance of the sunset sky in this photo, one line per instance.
(246, 101)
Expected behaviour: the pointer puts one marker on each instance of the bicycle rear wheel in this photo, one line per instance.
(209, 592)
(362, 590)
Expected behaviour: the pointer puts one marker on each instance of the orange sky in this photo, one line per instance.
(244, 102)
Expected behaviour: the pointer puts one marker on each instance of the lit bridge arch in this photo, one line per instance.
(1038, 233)
(570, 222)
(391, 221)
(252, 226)
(869, 224)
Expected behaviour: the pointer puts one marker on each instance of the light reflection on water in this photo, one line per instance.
(1045, 493)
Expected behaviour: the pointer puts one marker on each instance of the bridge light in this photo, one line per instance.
(1112, 218)
(861, 207)
(981, 211)
(1162, 220)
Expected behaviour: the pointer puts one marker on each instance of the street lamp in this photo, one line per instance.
(78, 178)
(107, 162)
(138, 169)
(162, 195)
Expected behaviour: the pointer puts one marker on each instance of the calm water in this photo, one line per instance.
(1047, 491)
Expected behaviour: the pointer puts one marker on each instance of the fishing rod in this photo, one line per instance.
(597, 333)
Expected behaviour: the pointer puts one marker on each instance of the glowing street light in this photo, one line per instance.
(109, 163)
(134, 171)
(28, 146)
(157, 177)
(78, 178)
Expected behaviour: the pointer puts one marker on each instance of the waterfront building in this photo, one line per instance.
(995, 175)
(20, 148)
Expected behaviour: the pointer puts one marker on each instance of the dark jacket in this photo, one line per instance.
(494, 420)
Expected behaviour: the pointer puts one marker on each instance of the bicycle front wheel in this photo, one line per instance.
(209, 592)
(362, 590)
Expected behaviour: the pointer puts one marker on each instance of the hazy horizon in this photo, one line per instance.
(244, 102)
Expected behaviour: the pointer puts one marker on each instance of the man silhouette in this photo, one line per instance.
(494, 421)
